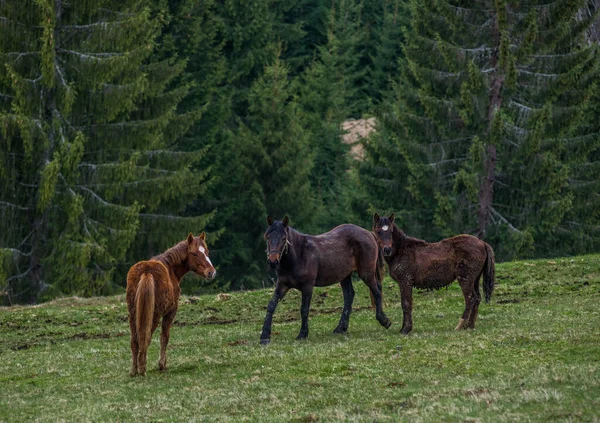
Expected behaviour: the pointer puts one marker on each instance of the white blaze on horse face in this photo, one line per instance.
(385, 228)
(203, 251)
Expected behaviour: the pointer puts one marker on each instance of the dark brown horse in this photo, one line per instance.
(416, 263)
(153, 292)
(305, 261)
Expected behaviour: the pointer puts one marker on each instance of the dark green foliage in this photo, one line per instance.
(272, 164)
(87, 168)
(124, 125)
(486, 129)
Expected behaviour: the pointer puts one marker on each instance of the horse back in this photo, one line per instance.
(437, 264)
(466, 248)
(166, 295)
(341, 251)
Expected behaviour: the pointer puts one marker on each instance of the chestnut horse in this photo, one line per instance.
(416, 263)
(153, 292)
(305, 261)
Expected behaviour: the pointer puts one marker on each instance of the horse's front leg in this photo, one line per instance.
(304, 309)
(165, 333)
(406, 299)
(348, 291)
(375, 288)
(278, 294)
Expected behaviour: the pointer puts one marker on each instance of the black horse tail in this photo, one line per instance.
(379, 271)
(489, 273)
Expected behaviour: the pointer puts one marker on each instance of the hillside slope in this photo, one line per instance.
(535, 356)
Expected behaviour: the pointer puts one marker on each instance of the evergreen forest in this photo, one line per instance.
(125, 125)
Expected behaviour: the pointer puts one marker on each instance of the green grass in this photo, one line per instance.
(535, 356)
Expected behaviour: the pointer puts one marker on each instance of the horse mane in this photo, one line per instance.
(405, 239)
(175, 255)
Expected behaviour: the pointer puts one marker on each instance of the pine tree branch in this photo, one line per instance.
(19, 252)
(100, 199)
(108, 228)
(456, 140)
(19, 276)
(14, 206)
(103, 24)
(17, 23)
(503, 220)
(92, 56)
(167, 216)
(129, 15)
(521, 70)
(458, 160)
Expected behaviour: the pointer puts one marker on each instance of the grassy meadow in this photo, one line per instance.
(535, 356)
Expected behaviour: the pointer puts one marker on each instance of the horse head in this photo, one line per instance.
(198, 260)
(277, 240)
(383, 230)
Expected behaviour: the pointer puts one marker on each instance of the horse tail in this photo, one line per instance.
(379, 271)
(489, 273)
(144, 309)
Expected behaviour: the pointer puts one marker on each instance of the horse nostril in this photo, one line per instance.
(273, 263)
(387, 251)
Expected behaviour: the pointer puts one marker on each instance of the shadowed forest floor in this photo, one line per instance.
(535, 356)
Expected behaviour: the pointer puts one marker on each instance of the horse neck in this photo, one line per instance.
(398, 237)
(175, 259)
(295, 240)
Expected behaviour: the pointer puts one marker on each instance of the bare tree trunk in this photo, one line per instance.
(486, 190)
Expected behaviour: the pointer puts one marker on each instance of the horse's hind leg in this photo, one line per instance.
(476, 302)
(348, 291)
(467, 286)
(165, 333)
(143, 351)
(304, 309)
(135, 348)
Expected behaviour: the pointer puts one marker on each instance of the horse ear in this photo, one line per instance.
(285, 221)
(269, 220)
(202, 236)
(391, 218)
(376, 217)
(190, 238)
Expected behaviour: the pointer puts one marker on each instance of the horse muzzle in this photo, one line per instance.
(273, 264)
(387, 251)
(211, 274)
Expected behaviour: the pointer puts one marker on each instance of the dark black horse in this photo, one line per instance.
(305, 261)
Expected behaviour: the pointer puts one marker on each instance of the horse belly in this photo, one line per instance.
(437, 275)
(332, 275)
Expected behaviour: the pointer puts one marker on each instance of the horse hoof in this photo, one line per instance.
(132, 373)
(301, 337)
(462, 324)
(405, 331)
(387, 324)
(339, 330)
(265, 341)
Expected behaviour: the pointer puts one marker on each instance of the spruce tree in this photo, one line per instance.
(271, 175)
(385, 49)
(88, 122)
(486, 125)
(325, 92)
